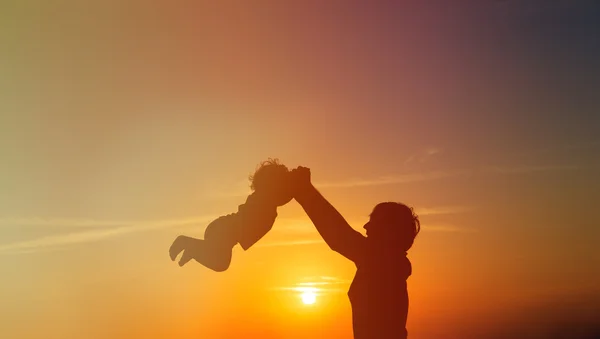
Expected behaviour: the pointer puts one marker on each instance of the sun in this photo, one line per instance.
(308, 297)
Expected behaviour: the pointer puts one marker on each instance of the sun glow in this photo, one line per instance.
(309, 297)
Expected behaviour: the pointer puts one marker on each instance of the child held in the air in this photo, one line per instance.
(254, 219)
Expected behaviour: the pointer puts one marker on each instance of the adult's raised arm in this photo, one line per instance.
(330, 224)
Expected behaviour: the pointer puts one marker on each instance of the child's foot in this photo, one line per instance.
(207, 253)
(181, 243)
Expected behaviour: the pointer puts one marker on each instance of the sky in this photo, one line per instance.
(125, 124)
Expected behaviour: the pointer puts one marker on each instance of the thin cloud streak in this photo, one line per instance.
(406, 178)
(424, 227)
(585, 145)
(524, 169)
(436, 175)
(291, 243)
(393, 179)
(447, 228)
(73, 238)
(62, 222)
(422, 157)
(96, 234)
(384, 180)
(304, 225)
(316, 290)
(103, 229)
(317, 284)
(443, 210)
(328, 278)
(321, 283)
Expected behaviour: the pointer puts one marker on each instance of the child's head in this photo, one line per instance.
(271, 178)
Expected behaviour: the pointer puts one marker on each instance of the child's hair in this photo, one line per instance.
(265, 171)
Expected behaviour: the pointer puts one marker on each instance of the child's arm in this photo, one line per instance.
(332, 226)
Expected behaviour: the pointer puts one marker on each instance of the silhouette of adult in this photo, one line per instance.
(378, 294)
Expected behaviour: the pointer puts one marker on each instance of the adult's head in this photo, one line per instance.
(393, 223)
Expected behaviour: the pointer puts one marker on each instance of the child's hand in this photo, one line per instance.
(185, 244)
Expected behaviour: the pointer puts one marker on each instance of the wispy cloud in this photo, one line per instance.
(318, 285)
(523, 169)
(301, 225)
(436, 175)
(290, 243)
(61, 222)
(442, 210)
(323, 281)
(359, 182)
(95, 230)
(404, 178)
(447, 228)
(412, 177)
(95, 234)
(304, 225)
(582, 145)
(329, 278)
(422, 156)
(37, 250)
(393, 179)
(101, 230)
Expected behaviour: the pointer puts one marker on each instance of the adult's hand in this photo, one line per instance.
(300, 178)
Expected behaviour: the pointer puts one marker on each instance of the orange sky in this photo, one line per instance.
(126, 125)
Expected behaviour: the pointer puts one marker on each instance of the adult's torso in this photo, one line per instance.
(379, 295)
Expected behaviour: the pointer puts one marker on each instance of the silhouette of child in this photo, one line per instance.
(254, 219)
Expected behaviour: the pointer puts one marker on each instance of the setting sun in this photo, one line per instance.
(309, 298)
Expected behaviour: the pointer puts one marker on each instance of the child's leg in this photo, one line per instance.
(182, 243)
(224, 231)
(212, 255)
(214, 251)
